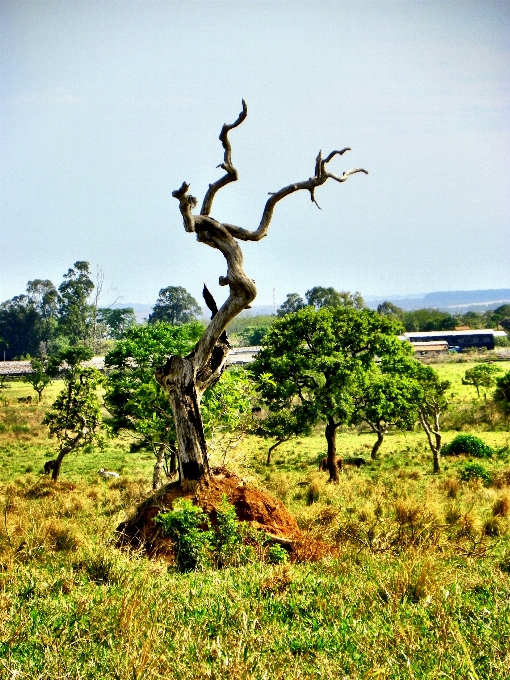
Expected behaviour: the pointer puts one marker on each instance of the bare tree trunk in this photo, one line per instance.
(186, 379)
(377, 445)
(331, 440)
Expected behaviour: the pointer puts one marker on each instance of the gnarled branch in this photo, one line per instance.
(227, 164)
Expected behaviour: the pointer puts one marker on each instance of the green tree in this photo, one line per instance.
(226, 410)
(116, 321)
(391, 310)
(433, 405)
(38, 378)
(385, 397)
(134, 398)
(310, 360)
(75, 415)
(427, 319)
(19, 328)
(481, 375)
(502, 393)
(319, 297)
(74, 309)
(281, 425)
(252, 336)
(176, 306)
(293, 303)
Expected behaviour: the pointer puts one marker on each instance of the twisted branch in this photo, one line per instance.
(227, 165)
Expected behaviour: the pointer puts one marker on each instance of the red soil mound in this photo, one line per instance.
(252, 505)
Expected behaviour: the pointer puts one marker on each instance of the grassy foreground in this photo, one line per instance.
(420, 588)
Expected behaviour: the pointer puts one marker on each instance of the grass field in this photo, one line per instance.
(420, 587)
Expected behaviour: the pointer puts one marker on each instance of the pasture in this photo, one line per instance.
(419, 585)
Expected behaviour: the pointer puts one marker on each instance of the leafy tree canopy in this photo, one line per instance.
(310, 359)
(293, 303)
(116, 321)
(320, 297)
(74, 310)
(481, 375)
(176, 306)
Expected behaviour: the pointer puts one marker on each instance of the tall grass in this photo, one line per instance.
(419, 586)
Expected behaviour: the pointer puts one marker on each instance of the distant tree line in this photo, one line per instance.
(46, 320)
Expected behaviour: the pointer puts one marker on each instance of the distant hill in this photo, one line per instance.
(450, 301)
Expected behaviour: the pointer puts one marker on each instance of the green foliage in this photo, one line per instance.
(116, 321)
(39, 377)
(133, 397)
(74, 309)
(293, 303)
(389, 309)
(244, 321)
(319, 298)
(75, 415)
(429, 320)
(277, 555)
(468, 444)
(502, 393)
(471, 471)
(175, 306)
(226, 410)
(251, 336)
(481, 375)
(184, 525)
(310, 361)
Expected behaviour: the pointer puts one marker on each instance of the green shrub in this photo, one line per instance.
(468, 444)
(277, 555)
(475, 471)
(227, 539)
(192, 543)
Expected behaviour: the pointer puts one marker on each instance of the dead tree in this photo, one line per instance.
(185, 379)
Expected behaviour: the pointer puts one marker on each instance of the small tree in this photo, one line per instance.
(310, 359)
(226, 411)
(481, 375)
(75, 416)
(384, 399)
(433, 405)
(176, 306)
(281, 425)
(39, 377)
(116, 321)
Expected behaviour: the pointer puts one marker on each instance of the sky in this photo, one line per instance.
(107, 107)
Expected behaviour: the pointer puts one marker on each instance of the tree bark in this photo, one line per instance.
(377, 445)
(63, 453)
(331, 427)
(434, 437)
(186, 379)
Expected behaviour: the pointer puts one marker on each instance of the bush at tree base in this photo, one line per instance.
(198, 545)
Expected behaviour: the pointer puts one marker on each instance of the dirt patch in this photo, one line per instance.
(252, 505)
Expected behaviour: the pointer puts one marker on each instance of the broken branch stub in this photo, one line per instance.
(186, 379)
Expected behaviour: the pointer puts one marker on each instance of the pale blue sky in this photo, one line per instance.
(107, 107)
